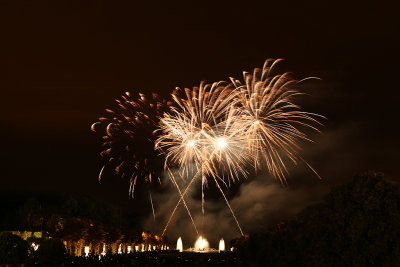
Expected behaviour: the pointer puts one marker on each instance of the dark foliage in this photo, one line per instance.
(13, 249)
(358, 224)
(41, 212)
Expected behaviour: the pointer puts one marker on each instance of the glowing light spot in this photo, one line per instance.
(190, 143)
(257, 122)
(35, 246)
(221, 142)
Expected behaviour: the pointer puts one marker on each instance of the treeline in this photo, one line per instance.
(31, 211)
(76, 220)
(358, 224)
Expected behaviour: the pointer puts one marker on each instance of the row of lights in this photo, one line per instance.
(129, 249)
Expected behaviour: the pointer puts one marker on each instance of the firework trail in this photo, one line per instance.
(229, 206)
(182, 195)
(152, 208)
(180, 199)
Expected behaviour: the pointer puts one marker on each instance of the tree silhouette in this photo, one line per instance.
(358, 224)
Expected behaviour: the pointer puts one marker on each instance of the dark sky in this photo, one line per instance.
(66, 61)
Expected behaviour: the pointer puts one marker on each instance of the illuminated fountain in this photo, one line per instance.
(103, 253)
(221, 245)
(87, 251)
(179, 245)
(201, 244)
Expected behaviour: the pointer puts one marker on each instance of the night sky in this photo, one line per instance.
(66, 61)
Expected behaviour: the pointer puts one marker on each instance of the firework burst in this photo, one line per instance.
(270, 118)
(199, 132)
(128, 138)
